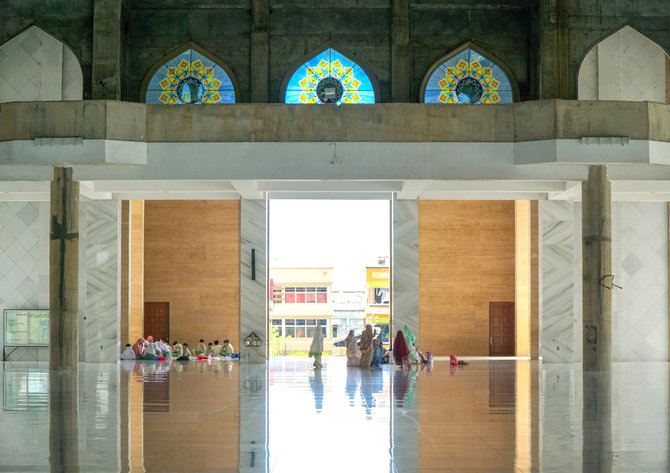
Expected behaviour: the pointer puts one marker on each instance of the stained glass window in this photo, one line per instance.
(190, 78)
(330, 77)
(468, 77)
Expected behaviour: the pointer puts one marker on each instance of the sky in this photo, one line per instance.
(345, 234)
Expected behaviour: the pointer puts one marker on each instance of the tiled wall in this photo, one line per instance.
(640, 309)
(36, 66)
(24, 278)
(624, 66)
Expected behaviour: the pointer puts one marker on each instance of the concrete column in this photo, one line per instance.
(596, 266)
(106, 50)
(553, 30)
(260, 51)
(64, 271)
(400, 50)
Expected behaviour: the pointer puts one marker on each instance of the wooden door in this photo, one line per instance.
(501, 329)
(157, 319)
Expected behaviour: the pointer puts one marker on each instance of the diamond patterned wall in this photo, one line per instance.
(36, 66)
(624, 66)
(640, 310)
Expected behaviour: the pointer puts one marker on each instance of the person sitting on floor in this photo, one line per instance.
(177, 349)
(216, 349)
(186, 354)
(227, 349)
(200, 349)
(128, 353)
(149, 350)
(138, 347)
(210, 347)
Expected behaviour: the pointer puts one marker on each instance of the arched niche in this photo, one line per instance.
(468, 75)
(624, 66)
(35, 66)
(329, 73)
(189, 75)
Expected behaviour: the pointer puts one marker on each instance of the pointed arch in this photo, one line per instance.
(190, 75)
(329, 69)
(468, 74)
(625, 65)
(36, 66)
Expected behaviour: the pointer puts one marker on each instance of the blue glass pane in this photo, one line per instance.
(355, 84)
(190, 78)
(468, 77)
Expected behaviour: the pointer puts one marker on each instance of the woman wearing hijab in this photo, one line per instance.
(353, 355)
(138, 347)
(400, 350)
(366, 347)
(410, 340)
(316, 349)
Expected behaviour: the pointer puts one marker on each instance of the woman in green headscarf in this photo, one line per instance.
(409, 338)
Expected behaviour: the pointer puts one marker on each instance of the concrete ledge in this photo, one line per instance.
(520, 122)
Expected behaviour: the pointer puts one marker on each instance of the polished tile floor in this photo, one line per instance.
(490, 416)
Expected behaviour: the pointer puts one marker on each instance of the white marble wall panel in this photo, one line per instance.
(624, 66)
(405, 266)
(83, 227)
(561, 304)
(102, 281)
(253, 293)
(36, 66)
(640, 265)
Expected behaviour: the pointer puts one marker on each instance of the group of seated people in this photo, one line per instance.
(150, 349)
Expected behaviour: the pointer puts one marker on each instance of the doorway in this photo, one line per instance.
(501, 329)
(157, 319)
(329, 270)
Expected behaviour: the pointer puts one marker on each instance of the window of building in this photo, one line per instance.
(329, 77)
(300, 328)
(190, 78)
(468, 78)
(302, 295)
(380, 296)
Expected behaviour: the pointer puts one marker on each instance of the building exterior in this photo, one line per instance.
(301, 304)
(348, 311)
(378, 310)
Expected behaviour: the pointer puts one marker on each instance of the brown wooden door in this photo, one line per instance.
(157, 319)
(501, 329)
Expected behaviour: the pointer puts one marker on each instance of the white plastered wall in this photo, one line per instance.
(624, 66)
(35, 66)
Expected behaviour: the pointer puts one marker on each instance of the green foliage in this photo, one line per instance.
(276, 341)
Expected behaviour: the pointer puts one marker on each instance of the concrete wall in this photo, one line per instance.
(191, 260)
(466, 260)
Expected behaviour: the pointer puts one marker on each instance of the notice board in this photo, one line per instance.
(26, 327)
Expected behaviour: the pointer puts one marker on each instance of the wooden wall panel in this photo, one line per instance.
(136, 270)
(192, 261)
(466, 260)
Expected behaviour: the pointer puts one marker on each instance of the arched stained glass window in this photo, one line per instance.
(468, 77)
(329, 77)
(190, 77)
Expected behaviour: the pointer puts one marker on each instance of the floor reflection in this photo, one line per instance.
(495, 416)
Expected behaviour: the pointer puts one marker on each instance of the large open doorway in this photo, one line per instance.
(329, 270)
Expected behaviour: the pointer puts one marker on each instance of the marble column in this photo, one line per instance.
(405, 295)
(597, 270)
(253, 292)
(560, 283)
(64, 271)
